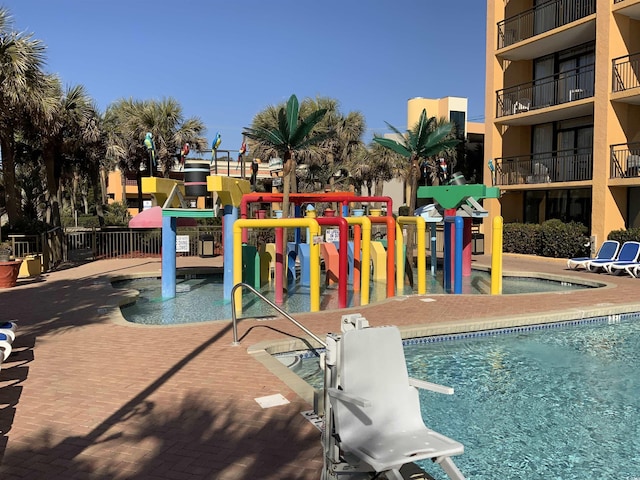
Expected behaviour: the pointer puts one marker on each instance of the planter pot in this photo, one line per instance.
(262, 214)
(277, 213)
(375, 212)
(358, 212)
(329, 213)
(9, 273)
(311, 214)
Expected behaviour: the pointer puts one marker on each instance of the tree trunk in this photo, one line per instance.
(414, 174)
(9, 173)
(52, 194)
(139, 185)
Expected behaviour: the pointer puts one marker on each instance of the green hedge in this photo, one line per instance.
(630, 235)
(553, 238)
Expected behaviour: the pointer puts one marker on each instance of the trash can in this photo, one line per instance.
(205, 246)
(477, 243)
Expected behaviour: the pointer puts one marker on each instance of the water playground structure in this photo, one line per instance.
(356, 262)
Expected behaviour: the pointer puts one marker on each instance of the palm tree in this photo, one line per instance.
(339, 148)
(428, 138)
(23, 95)
(291, 136)
(127, 121)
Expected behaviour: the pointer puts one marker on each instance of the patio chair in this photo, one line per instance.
(620, 266)
(629, 252)
(375, 408)
(607, 251)
(8, 328)
(5, 347)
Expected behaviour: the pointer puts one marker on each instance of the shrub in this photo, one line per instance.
(630, 235)
(521, 238)
(553, 238)
(563, 240)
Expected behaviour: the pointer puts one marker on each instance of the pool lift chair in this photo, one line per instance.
(373, 425)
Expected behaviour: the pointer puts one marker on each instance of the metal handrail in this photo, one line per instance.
(236, 342)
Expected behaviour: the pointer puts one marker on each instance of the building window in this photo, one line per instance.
(567, 205)
(459, 119)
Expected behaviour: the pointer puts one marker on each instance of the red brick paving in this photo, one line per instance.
(83, 397)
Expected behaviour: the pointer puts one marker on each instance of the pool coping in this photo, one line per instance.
(264, 351)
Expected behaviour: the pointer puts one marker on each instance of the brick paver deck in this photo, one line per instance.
(87, 397)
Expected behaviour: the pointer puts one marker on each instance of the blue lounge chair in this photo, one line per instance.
(627, 266)
(629, 252)
(608, 251)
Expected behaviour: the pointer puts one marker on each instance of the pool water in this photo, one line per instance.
(560, 403)
(200, 297)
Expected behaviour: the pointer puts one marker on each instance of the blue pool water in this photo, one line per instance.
(200, 297)
(556, 403)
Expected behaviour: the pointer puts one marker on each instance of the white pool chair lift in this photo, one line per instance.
(373, 423)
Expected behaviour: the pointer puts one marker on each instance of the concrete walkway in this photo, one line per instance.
(86, 395)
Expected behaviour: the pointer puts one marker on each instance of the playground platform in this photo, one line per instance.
(87, 396)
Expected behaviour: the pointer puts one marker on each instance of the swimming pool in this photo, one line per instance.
(200, 297)
(554, 402)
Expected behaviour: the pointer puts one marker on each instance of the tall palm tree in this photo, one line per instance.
(23, 95)
(338, 148)
(127, 121)
(427, 139)
(291, 135)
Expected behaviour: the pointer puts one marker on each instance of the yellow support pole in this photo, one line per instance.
(314, 253)
(421, 247)
(399, 259)
(496, 257)
(365, 268)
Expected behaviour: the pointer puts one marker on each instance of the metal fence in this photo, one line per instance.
(542, 18)
(626, 72)
(563, 87)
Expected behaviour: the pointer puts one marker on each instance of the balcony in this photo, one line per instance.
(626, 79)
(629, 8)
(574, 165)
(558, 89)
(625, 161)
(544, 18)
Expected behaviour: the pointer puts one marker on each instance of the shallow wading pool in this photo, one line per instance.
(199, 298)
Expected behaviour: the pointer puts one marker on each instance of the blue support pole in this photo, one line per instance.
(457, 281)
(230, 216)
(434, 255)
(169, 227)
(446, 267)
(298, 232)
(345, 210)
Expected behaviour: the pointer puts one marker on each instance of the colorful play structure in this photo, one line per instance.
(350, 255)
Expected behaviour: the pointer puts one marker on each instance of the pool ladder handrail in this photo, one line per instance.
(236, 342)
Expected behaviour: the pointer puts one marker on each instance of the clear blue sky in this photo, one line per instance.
(226, 60)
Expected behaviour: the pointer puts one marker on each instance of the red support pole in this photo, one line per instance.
(279, 295)
(466, 248)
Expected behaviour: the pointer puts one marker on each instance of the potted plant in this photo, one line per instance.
(5, 251)
(9, 268)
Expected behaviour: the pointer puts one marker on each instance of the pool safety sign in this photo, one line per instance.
(182, 243)
(332, 235)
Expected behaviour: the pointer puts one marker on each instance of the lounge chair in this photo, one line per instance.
(607, 251)
(629, 252)
(627, 266)
(375, 418)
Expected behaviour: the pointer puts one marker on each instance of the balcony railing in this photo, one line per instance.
(572, 165)
(544, 92)
(626, 72)
(542, 18)
(625, 160)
